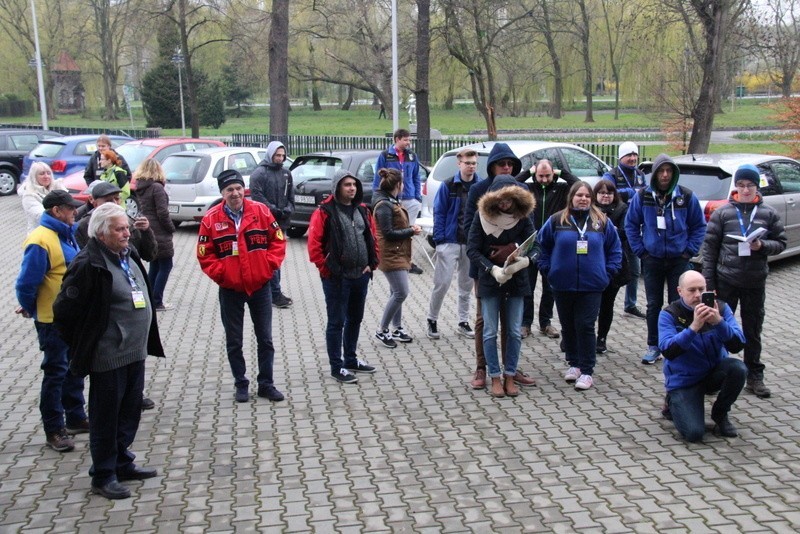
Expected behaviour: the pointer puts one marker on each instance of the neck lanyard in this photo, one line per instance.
(581, 231)
(741, 222)
(123, 262)
(622, 172)
(666, 202)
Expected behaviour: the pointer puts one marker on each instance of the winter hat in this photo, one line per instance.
(747, 172)
(628, 147)
(101, 188)
(229, 177)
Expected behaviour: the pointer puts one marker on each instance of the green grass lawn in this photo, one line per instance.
(462, 120)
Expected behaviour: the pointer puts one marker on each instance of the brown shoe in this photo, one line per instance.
(524, 380)
(524, 332)
(497, 389)
(479, 380)
(756, 387)
(550, 331)
(511, 388)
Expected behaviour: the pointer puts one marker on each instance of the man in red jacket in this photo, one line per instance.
(239, 246)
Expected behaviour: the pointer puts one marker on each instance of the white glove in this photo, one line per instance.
(517, 265)
(499, 275)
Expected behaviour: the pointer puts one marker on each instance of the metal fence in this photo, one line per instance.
(148, 133)
(428, 150)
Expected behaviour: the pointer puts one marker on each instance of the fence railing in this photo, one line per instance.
(148, 133)
(428, 150)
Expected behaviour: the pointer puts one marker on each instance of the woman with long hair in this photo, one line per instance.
(154, 204)
(113, 173)
(580, 254)
(606, 197)
(394, 244)
(40, 182)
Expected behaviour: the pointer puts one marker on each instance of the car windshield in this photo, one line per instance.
(447, 167)
(314, 168)
(47, 150)
(181, 169)
(134, 154)
(706, 183)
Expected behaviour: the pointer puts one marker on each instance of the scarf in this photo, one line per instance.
(496, 225)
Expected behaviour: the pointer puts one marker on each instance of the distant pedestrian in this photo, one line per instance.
(154, 205)
(40, 182)
(272, 185)
(105, 313)
(342, 243)
(239, 245)
(394, 239)
(382, 113)
(737, 269)
(93, 169)
(115, 174)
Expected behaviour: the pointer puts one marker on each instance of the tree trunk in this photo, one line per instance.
(703, 111)
(349, 100)
(315, 105)
(588, 87)
(421, 92)
(279, 69)
(558, 81)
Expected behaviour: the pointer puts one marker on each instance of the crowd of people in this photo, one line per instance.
(94, 306)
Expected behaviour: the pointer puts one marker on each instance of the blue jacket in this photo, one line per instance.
(627, 179)
(567, 270)
(412, 189)
(449, 208)
(691, 355)
(684, 219)
(49, 249)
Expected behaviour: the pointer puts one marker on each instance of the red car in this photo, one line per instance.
(134, 153)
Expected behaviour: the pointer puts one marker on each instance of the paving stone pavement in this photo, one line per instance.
(409, 449)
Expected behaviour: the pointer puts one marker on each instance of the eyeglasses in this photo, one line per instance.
(470, 163)
(746, 185)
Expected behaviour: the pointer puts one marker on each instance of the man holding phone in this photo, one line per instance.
(735, 262)
(695, 335)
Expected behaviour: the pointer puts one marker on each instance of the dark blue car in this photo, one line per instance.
(66, 154)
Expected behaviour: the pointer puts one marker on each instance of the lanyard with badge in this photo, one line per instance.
(137, 294)
(744, 247)
(661, 220)
(583, 244)
(237, 221)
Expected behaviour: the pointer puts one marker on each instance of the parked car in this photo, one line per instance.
(312, 175)
(14, 146)
(578, 161)
(67, 154)
(134, 153)
(710, 177)
(192, 178)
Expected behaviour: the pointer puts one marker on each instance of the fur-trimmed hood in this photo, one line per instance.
(505, 187)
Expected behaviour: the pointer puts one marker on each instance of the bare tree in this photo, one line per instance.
(544, 22)
(279, 69)
(421, 91)
(776, 38)
(619, 18)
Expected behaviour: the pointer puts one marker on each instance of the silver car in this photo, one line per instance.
(192, 178)
(581, 163)
(710, 177)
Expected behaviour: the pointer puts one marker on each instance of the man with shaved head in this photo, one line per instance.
(695, 335)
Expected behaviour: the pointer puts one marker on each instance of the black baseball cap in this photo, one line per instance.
(60, 198)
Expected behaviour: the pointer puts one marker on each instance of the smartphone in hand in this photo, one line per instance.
(708, 298)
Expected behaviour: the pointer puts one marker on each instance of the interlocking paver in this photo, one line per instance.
(410, 449)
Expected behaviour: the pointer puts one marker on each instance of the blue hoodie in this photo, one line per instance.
(683, 218)
(409, 169)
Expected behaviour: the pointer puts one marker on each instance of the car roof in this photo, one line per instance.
(518, 147)
(727, 162)
(338, 153)
(80, 138)
(218, 150)
(166, 141)
(29, 130)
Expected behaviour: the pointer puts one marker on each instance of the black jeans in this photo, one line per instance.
(115, 403)
(659, 272)
(231, 304)
(606, 316)
(545, 302)
(752, 300)
(577, 311)
(344, 300)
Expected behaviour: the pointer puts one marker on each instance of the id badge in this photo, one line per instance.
(138, 300)
(661, 222)
(583, 246)
(235, 249)
(744, 249)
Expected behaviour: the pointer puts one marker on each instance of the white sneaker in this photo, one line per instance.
(572, 374)
(584, 382)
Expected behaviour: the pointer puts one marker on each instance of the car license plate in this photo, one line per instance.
(305, 199)
(174, 208)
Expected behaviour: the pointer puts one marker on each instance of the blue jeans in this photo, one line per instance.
(158, 275)
(687, 405)
(62, 392)
(344, 300)
(231, 304)
(635, 266)
(115, 402)
(275, 284)
(490, 309)
(657, 273)
(578, 311)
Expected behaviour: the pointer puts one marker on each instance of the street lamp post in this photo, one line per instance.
(39, 77)
(177, 59)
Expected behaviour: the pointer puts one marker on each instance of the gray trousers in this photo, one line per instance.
(451, 257)
(398, 291)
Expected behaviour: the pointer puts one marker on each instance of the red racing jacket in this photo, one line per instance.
(260, 247)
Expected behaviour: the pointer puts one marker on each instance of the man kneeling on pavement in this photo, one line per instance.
(695, 338)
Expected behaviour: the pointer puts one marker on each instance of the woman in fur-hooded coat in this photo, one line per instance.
(500, 225)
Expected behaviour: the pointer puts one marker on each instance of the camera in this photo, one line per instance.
(708, 298)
